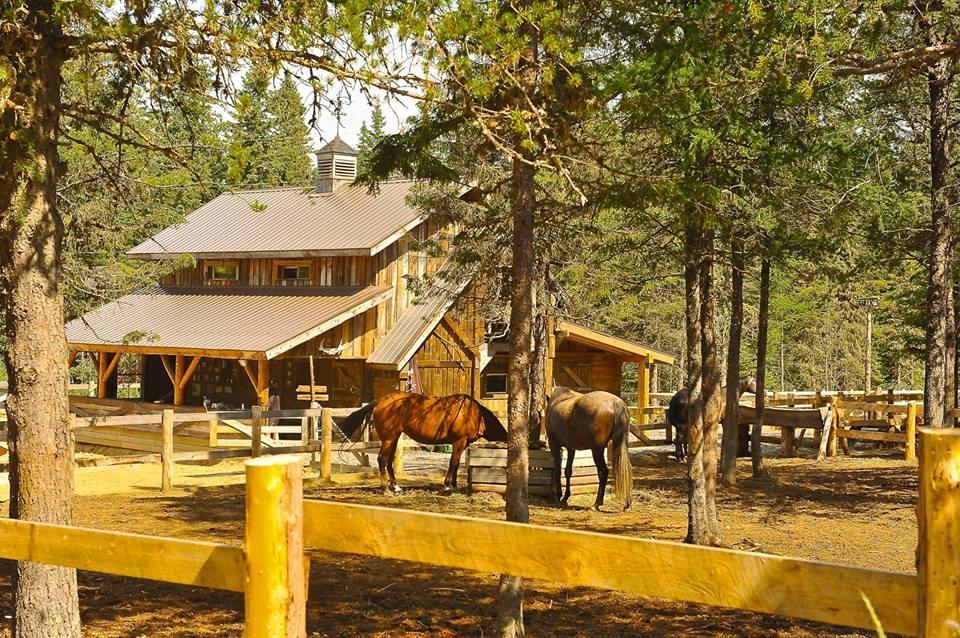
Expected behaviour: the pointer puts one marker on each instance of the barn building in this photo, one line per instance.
(285, 280)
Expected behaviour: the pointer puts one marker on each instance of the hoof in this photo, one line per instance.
(563, 504)
(397, 489)
(596, 508)
(446, 490)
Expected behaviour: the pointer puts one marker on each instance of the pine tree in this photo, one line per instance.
(370, 136)
(288, 143)
(249, 134)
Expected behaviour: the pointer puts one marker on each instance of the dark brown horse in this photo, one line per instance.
(458, 420)
(589, 422)
(678, 412)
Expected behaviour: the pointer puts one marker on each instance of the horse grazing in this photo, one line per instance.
(458, 420)
(678, 412)
(589, 422)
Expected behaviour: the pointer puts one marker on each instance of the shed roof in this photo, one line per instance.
(289, 222)
(337, 145)
(415, 325)
(232, 322)
(630, 350)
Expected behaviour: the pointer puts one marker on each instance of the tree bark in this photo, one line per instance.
(935, 383)
(41, 445)
(731, 426)
(756, 451)
(697, 529)
(538, 369)
(950, 360)
(712, 403)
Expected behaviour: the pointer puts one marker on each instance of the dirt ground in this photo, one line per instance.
(858, 511)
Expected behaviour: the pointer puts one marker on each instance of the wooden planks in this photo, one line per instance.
(486, 471)
(196, 563)
(726, 578)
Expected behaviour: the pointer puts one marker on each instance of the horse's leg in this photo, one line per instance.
(555, 451)
(571, 454)
(388, 450)
(454, 469)
(602, 473)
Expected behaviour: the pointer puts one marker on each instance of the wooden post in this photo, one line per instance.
(910, 432)
(275, 597)
(313, 395)
(938, 551)
(263, 383)
(837, 424)
(256, 431)
(643, 388)
(326, 425)
(178, 368)
(314, 435)
(213, 442)
(788, 435)
(166, 451)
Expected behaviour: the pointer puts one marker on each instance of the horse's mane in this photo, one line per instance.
(489, 418)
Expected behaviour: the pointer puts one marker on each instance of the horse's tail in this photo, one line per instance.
(622, 469)
(352, 423)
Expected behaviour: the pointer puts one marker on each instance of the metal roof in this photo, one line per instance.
(243, 322)
(337, 145)
(626, 348)
(415, 325)
(289, 222)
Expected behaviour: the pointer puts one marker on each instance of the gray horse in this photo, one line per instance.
(589, 422)
(678, 412)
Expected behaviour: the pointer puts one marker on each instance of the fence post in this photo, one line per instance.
(256, 431)
(213, 442)
(837, 424)
(910, 432)
(938, 558)
(398, 457)
(326, 425)
(314, 431)
(275, 598)
(166, 451)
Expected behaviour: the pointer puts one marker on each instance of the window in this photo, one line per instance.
(495, 383)
(293, 273)
(222, 271)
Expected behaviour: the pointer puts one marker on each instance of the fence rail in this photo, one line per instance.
(280, 526)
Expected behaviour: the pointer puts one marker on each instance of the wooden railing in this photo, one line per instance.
(280, 526)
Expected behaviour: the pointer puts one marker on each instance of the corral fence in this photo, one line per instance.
(314, 436)
(271, 568)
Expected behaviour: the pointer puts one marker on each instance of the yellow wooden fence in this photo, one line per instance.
(281, 526)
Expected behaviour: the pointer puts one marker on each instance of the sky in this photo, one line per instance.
(355, 110)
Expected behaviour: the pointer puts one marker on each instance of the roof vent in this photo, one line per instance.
(336, 165)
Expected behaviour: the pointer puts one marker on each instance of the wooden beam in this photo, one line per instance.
(165, 360)
(643, 388)
(574, 377)
(185, 379)
(459, 335)
(245, 365)
(189, 352)
(95, 358)
(806, 589)
(185, 562)
(72, 356)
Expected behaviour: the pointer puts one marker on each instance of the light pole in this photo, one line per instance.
(869, 303)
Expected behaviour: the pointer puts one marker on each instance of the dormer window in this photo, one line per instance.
(222, 272)
(293, 273)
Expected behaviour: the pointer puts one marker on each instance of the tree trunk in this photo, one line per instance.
(510, 598)
(538, 369)
(950, 360)
(712, 403)
(935, 385)
(731, 426)
(41, 445)
(756, 451)
(697, 530)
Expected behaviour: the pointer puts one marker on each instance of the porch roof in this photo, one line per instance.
(625, 348)
(230, 322)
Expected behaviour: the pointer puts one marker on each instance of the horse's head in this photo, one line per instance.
(493, 430)
(748, 384)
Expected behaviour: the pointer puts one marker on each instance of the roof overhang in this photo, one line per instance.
(247, 323)
(623, 348)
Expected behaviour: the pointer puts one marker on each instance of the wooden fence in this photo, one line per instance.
(281, 526)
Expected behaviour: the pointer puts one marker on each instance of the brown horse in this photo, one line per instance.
(458, 420)
(589, 422)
